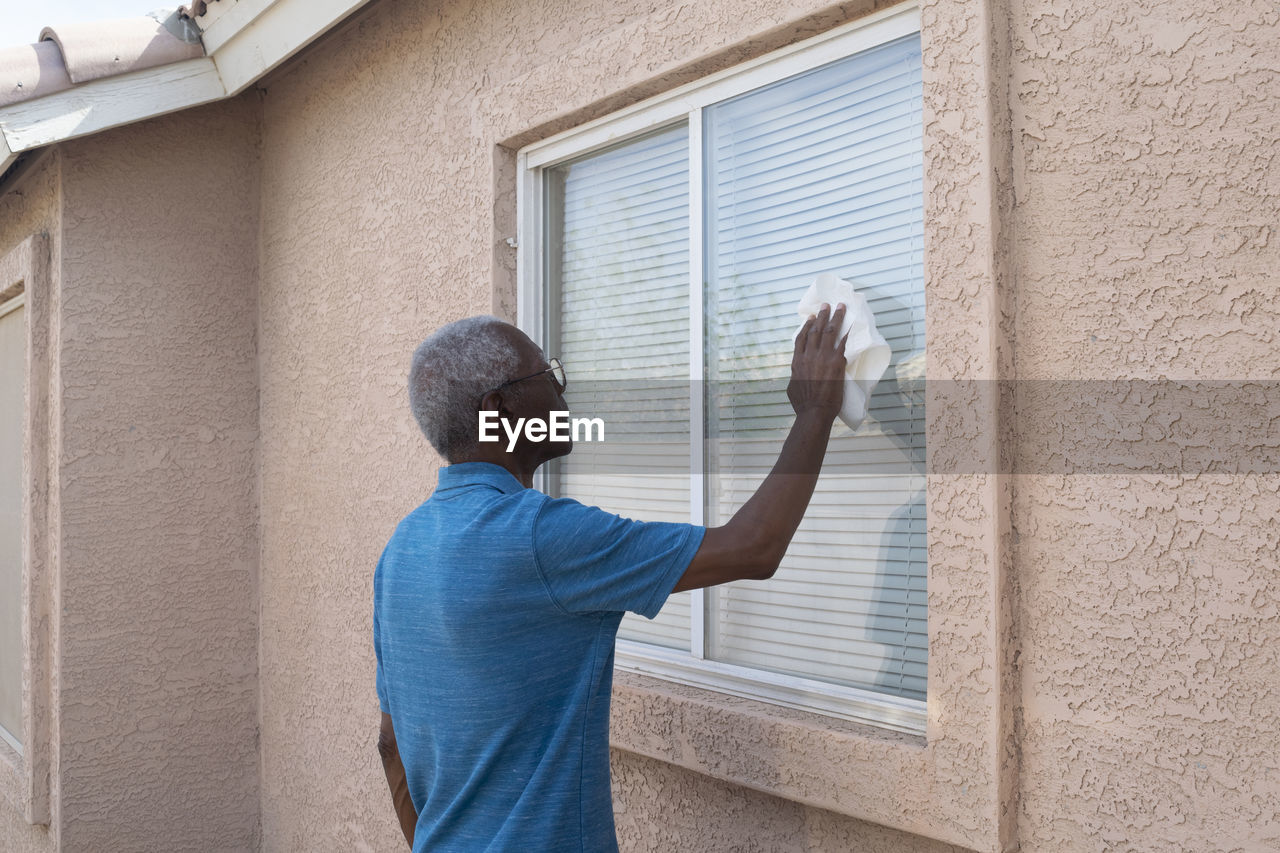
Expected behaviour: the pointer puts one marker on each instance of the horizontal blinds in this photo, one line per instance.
(821, 173)
(619, 274)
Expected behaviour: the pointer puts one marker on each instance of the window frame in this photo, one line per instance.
(685, 105)
(9, 304)
(25, 771)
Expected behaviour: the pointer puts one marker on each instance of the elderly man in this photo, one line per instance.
(496, 606)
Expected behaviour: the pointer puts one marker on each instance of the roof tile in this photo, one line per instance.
(31, 71)
(94, 49)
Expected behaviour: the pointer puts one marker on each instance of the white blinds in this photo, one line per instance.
(13, 363)
(622, 288)
(821, 173)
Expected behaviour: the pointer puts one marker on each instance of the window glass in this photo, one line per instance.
(819, 172)
(618, 258)
(13, 336)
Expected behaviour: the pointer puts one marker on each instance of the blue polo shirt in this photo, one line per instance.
(494, 617)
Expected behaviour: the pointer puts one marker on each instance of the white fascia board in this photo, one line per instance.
(223, 20)
(242, 44)
(105, 103)
(276, 32)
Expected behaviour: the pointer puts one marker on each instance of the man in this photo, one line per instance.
(496, 606)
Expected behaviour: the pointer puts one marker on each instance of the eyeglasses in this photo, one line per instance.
(557, 374)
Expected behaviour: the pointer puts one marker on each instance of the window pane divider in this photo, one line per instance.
(697, 475)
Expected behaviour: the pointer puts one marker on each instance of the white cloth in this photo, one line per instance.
(866, 353)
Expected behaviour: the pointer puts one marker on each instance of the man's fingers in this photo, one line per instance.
(802, 339)
(819, 327)
(820, 334)
(832, 328)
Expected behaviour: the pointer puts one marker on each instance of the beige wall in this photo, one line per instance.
(372, 239)
(1148, 203)
(662, 807)
(32, 208)
(1135, 667)
(1103, 201)
(154, 529)
(158, 541)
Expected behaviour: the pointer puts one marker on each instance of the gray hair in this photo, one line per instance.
(451, 370)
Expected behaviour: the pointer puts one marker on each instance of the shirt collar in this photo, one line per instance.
(478, 473)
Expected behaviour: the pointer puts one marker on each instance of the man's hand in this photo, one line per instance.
(817, 367)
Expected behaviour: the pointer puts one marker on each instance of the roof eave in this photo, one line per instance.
(243, 44)
(105, 103)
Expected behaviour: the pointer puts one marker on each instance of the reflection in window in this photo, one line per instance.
(820, 172)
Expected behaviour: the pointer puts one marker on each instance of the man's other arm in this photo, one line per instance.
(753, 542)
(394, 769)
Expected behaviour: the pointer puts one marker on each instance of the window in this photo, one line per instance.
(13, 364)
(25, 436)
(664, 250)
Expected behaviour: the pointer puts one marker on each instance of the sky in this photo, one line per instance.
(22, 20)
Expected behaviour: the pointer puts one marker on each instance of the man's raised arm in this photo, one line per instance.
(753, 542)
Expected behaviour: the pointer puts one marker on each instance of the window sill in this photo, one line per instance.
(873, 774)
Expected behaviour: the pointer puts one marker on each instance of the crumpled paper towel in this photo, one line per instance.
(866, 352)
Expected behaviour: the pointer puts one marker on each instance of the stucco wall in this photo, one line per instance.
(158, 561)
(1104, 195)
(32, 207)
(155, 523)
(1148, 202)
(661, 807)
(369, 241)
(1130, 195)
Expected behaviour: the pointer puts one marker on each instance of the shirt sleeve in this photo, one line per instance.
(593, 560)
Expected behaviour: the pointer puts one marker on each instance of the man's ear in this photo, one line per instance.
(500, 402)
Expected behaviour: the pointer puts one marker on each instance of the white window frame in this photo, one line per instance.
(686, 103)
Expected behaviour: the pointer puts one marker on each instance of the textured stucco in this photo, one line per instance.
(1102, 193)
(1148, 202)
(25, 778)
(661, 807)
(158, 490)
(32, 209)
(372, 239)
(1017, 282)
(156, 518)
